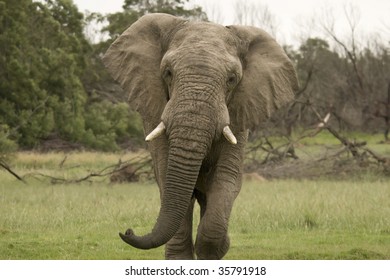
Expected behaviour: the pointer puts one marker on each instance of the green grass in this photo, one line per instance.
(73, 221)
(312, 220)
(281, 219)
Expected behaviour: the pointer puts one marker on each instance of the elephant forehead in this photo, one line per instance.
(213, 35)
(201, 56)
(204, 46)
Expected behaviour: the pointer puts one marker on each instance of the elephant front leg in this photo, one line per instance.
(181, 246)
(212, 241)
(221, 190)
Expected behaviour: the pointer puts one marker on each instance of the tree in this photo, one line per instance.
(46, 64)
(365, 70)
(213, 11)
(36, 87)
(173, 7)
(343, 76)
(249, 13)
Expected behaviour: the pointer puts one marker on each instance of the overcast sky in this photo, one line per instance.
(292, 17)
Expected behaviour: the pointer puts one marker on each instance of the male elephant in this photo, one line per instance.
(193, 82)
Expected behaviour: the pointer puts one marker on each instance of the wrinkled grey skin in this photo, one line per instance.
(198, 77)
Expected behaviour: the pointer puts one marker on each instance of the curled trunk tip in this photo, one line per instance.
(143, 242)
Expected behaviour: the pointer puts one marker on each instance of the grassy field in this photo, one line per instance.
(280, 219)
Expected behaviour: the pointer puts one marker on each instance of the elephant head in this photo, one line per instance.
(193, 82)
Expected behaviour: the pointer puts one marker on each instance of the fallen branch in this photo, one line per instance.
(140, 162)
(274, 163)
(352, 146)
(6, 167)
(380, 159)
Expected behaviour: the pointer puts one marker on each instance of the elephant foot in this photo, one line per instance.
(177, 249)
(211, 249)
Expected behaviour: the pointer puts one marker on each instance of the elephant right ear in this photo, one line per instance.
(134, 60)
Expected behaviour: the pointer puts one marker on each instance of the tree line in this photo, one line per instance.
(54, 88)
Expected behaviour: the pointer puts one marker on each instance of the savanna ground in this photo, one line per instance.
(323, 218)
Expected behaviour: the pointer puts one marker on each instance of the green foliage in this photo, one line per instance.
(41, 68)
(7, 145)
(46, 66)
(108, 123)
(173, 7)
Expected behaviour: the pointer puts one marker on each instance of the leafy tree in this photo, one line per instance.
(46, 64)
(41, 68)
(173, 7)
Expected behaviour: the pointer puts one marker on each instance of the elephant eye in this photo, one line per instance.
(232, 80)
(167, 75)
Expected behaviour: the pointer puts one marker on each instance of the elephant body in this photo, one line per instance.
(199, 88)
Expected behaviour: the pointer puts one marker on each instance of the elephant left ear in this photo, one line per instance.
(269, 80)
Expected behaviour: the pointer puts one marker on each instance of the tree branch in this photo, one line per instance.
(6, 167)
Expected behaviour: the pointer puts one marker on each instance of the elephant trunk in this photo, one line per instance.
(188, 145)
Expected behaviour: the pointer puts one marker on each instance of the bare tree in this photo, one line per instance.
(255, 14)
(352, 15)
(356, 99)
(383, 112)
(213, 11)
(306, 27)
(359, 74)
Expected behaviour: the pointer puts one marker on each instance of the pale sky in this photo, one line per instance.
(293, 18)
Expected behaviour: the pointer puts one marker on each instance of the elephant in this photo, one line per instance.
(199, 88)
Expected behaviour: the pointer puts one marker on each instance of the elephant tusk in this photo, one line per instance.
(229, 135)
(156, 132)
